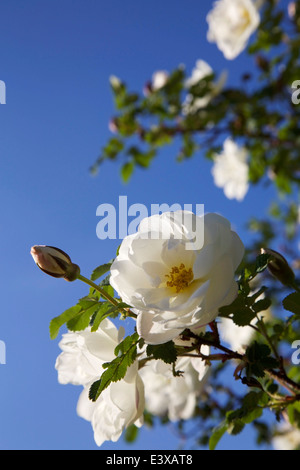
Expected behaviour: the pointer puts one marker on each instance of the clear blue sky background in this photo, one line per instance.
(56, 57)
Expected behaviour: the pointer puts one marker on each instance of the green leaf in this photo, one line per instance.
(127, 347)
(261, 305)
(283, 183)
(262, 262)
(217, 434)
(259, 359)
(82, 320)
(236, 427)
(251, 409)
(253, 399)
(98, 272)
(244, 316)
(238, 311)
(166, 352)
(79, 316)
(94, 389)
(102, 313)
(108, 289)
(106, 310)
(113, 148)
(252, 415)
(252, 298)
(234, 307)
(116, 370)
(126, 171)
(293, 412)
(59, 321)
(292, 303)
(131, 434)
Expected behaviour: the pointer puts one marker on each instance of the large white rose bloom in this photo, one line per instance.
(175, 397)
(230, 170)
(231, 23)
(80, 363)
(172, 283)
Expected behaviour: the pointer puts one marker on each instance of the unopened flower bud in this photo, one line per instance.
(55, 262)
(279, 267)
(115, 83)
(113, 125)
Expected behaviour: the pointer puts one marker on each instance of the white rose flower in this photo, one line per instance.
(175, 397)
(119, 405)
(80, 363)
(201, 71)
(170, 285)
(231, 23)
(230, 170)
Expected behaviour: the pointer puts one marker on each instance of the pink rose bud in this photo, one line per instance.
(279, 267)
(55, 262)
(113, 125)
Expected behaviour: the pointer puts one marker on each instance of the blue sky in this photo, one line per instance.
(56, 57)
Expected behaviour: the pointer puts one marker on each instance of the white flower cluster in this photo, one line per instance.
(172, 283)
(122, 403)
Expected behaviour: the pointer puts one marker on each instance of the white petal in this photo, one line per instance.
(153, 332)
(85, 406)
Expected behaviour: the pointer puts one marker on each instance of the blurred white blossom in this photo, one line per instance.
(231, 23)
(288, 438)
(230, 170)
(201, 71)
(175, 397)
(159, 79)
(238, 337)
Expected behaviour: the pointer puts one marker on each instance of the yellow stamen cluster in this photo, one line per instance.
(179, 277)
